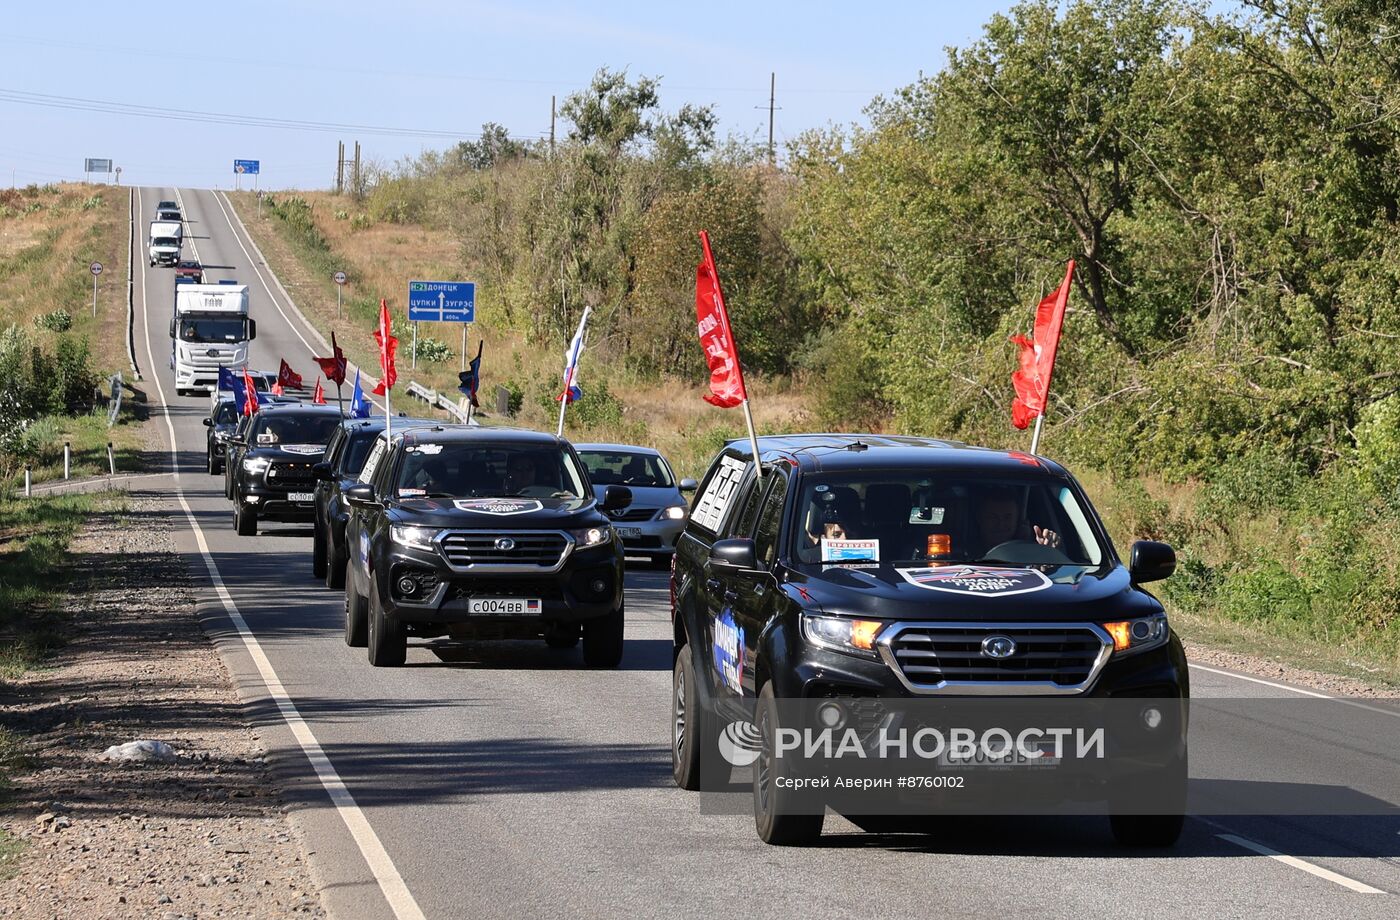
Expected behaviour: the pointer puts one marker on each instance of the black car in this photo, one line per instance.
(221, 424)
(483, 533)
(344, 458)
(270, 463)
(874, 567)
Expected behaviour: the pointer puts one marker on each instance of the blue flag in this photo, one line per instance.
(359, 406)
(227, 381)
(471, 379)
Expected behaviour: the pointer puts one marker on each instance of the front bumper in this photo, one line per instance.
(276, 505)
(654, 539)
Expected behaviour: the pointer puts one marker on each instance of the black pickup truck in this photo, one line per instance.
(482, 533)
(270, 463)
(875, 574)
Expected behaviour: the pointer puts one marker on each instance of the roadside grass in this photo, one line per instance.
(88, 436)
(35, 535)
(11, 848)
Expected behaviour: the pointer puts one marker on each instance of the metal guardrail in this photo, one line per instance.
(437, 400)
(131, 286)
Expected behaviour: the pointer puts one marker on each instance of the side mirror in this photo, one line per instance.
(322, 470)
(1151, 561)
(361, 495)
(689, 485)
(252, 329)
(734, 557)
(209, 423)
(615, 498)
(172, 328)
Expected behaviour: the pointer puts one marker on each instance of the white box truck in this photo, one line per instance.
(164, 246)
(209, 329)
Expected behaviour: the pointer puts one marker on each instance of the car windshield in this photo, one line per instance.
(213, 329)
(294, 429)
(165, 241)
(905, 517)
(615, 467)
(227, 414)
(488, 471)
(356, 452)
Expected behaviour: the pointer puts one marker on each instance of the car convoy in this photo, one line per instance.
(854, 570)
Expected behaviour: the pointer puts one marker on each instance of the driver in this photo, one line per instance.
(999, 521)
(520, 473)
(430, 477)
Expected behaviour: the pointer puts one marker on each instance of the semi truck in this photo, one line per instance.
(165, 239)
(209, 328)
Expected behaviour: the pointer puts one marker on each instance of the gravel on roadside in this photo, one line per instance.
(203, 836)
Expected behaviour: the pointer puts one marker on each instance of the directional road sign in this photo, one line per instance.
(441, 301)
(246, 167)
(338, 277)
(95, 268)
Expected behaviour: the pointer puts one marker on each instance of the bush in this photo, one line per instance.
(59, 320)
(35, 382)
(434, 350)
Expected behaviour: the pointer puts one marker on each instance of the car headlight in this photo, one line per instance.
(416, 537)
(592, 536)
(221, 436)
(842, 634)
(673, 513)
(255, 464)
(1131, 636)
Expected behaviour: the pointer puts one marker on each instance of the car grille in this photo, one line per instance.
(1053, 658)
(291, 475)
(634, 514)
(464, 549)
(505, 587)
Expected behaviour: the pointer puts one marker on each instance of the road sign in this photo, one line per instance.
(246, 167)
(95, 268)
(441, 301)
(338, 277)
(91, 165)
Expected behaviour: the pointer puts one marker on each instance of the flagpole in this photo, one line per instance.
(388, 419)
(1035, 436)
(563, 404)
(573, 370)
(339, 399)
(753, 439)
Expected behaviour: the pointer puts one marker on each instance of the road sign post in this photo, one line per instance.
(96, 269)
(413, 363)
(339, 279)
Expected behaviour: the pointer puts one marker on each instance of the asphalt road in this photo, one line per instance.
(505, 780)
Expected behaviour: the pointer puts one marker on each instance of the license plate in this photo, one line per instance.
(299, 496)
(1013, 758)
(505, 606)
(627, 533)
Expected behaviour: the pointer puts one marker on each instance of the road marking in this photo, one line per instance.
(391, 883)
(1313, 693)
(1295, 862)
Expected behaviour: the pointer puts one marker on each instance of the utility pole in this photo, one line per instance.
(340, 169)
(357, 170)
(772, 95)
(551, 126)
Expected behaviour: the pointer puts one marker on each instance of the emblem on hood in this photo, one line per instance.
(303, 449)
(498, 505)
(977, 580)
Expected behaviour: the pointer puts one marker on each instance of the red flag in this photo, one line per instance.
(334, 366)
(276, 389)
(1032, 381)
(286, 377)
(250, 394)
(716, 338)
(319, 397)
(387, 346)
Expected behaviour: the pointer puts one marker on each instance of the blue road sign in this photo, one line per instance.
(246, 167)
(441, 301)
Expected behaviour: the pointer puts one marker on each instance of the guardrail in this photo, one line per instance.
(131, 286)
(437, 400)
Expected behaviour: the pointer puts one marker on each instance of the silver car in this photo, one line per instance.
(650, 525)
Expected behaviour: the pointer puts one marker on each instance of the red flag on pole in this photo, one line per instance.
(388, 344)
(286, 377)
(1032, 380)
(276, 389)
(334, 366)
(319, 396)
(250, 394)
(716, 338)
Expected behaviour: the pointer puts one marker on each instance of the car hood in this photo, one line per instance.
(499, 513)
(973, 593)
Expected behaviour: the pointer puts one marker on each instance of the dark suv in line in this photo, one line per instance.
(345, 456)
(866, 568)
(270, 463)
(481, 533)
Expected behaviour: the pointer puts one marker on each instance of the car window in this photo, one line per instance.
(628, 468)
(770, 520)
(356, 452)
(748, 501)
(472, 470)
(333, 447)
(227, 414)
(717, 493)
(372, 462)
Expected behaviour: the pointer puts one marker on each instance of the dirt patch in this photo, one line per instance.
(202, 836)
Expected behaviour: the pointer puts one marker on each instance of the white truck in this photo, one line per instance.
(209, 328)
(164, 246)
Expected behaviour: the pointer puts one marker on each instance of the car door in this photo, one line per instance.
(755, 599)
(357, 527)
(723, 633)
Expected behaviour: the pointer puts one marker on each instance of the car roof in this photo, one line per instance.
(298, 407)
(376, 423)
(445, 432)
(620, 448)
(829, 452)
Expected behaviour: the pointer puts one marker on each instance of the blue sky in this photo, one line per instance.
(423, 66)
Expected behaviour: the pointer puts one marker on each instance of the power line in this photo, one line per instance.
(45, 100)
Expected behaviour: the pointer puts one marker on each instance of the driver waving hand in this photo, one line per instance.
(999, 521)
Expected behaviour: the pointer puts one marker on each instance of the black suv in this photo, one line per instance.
(221, 425)
(486, 533)
(868, 567)
(270, 463)
(345, 456)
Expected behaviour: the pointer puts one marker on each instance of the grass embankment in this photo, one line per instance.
(49, 235)
(305, 247)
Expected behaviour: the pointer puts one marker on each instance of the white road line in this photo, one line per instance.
(391, 883)
(1313, 693)
(1296, 863)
